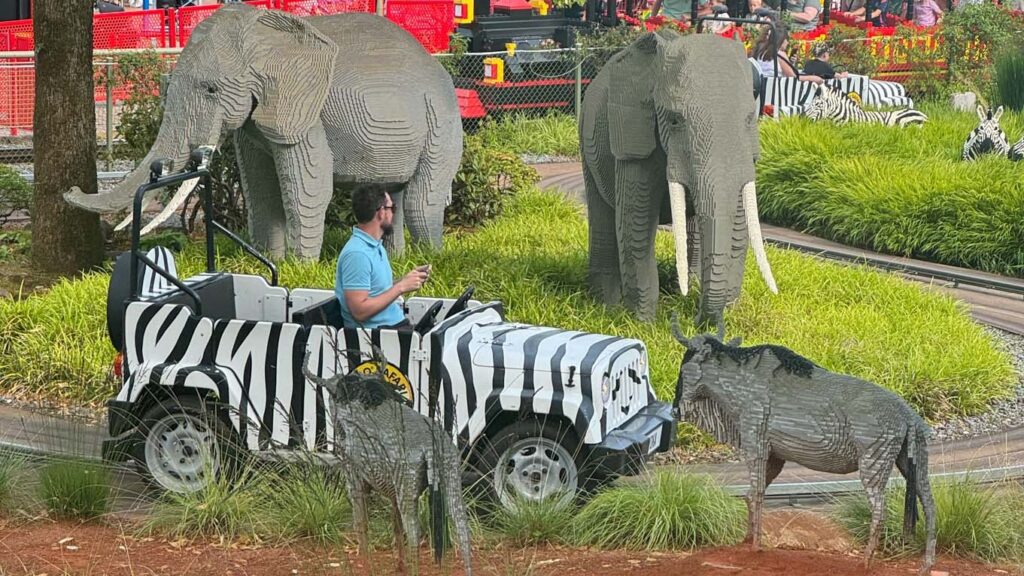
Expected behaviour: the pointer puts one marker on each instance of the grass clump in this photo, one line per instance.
(228, 509)
(530, 523)
(668, 511)
(75, 489)
(307, 503)
(981, 522)
(11, 465)
(898, 191)
(553, 134)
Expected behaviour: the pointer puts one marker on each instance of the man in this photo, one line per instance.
(363, 282)
(679, 9)
(803, 14)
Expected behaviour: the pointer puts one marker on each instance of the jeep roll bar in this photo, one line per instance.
(160, 177)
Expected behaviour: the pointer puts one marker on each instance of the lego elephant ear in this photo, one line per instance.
(293, 65)
(631, 118)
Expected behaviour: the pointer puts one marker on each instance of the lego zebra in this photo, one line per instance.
(987, 136)
(1017, 151)
(830, 103)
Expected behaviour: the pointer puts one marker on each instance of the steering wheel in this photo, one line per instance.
(460, 303)
(427, 321)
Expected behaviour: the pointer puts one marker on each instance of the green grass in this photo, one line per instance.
(903, 192)
(75, 489)
(982, 522)
(11, 466)
(667, 511)
(554, 133)
(529, 523)
(533, 258)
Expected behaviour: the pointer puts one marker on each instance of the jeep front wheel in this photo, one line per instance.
(529, 461)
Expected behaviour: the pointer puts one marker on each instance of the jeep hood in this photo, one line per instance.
(521, 346)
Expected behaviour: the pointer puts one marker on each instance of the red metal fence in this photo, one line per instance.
(430, 21)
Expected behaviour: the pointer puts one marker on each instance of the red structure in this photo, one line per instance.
(430, 21)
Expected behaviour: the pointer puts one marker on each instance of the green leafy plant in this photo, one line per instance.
(15, 193)
(555, 134)
(850, 50)
(141, 112)
(975, 521)
(668, 511)
(458, 45)
(75, 489)
(970, 35)
(13, 244)
(486, 176)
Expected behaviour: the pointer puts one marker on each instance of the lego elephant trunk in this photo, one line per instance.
(120, 197)
(724, 232)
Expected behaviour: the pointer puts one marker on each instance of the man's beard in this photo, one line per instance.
(387, 230)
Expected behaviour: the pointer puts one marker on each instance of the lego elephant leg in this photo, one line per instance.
(639, 186)
(262, 192)
(305, 171)
(603, 266)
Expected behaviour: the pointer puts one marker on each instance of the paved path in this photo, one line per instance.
(988, 306)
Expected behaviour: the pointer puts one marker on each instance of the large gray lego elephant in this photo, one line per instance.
(669, 133)
(310, 101)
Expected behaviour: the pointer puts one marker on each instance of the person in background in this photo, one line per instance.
(820, 65)
(771, 47)
(680, 9)
(804, 14)
(853, 9)
(927, 13)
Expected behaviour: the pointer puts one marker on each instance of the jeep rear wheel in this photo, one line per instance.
(184, 445)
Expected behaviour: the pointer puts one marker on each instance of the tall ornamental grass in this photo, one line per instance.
(534, 258)
(75, 489)
(553, 134)
(898, 191)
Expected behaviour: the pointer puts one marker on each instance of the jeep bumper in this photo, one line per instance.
(626, 449)
(121, 429)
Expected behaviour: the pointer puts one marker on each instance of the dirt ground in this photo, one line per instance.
(58, 548)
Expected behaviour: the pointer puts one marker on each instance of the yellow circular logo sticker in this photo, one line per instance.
(392, 375)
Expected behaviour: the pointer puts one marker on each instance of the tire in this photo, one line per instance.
(529, 460)
(184, 445)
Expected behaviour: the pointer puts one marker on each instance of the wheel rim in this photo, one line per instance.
(534, 469)
(182, 453)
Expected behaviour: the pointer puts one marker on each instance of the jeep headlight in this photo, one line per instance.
(606, 388)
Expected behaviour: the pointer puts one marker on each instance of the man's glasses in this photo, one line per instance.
(388, 207)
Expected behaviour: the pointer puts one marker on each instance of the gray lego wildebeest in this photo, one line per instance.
(774, 406)
(389, 447)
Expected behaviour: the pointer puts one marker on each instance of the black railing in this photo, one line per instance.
(158, 179)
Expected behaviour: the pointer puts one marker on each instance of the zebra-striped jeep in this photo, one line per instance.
(215, 359)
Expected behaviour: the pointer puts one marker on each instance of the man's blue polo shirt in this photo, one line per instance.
(363, 265)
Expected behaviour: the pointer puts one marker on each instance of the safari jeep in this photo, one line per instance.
(216, 359)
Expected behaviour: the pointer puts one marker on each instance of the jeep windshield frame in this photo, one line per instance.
(196, 169)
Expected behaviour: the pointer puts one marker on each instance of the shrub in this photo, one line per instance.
(1010, 78)
(972, 520)
(485, 177)
(850, 51)
(534, 259)
(554, 134)
(904, 192)
(970, 34)
(13, 244)
(142, 111)
(15, 193)
(668, 511)
(75, 489)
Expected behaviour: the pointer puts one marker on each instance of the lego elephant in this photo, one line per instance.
(668, 132)
(310, 102)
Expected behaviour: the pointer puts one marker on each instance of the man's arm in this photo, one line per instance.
(355, 275)
(810, 13)
(362, 306)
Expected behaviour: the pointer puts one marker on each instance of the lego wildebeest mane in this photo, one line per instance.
(789, 361)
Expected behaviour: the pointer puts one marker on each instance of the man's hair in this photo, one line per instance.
(820, 49)
(366, 200)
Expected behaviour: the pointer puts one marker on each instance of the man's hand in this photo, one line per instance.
(414, 279)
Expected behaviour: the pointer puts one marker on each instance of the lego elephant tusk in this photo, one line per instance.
(754, 231)
(677, 200)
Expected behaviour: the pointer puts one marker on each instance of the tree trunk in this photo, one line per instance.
(64, 239)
